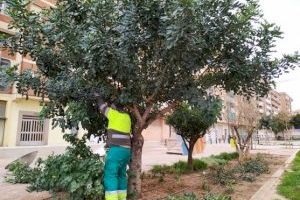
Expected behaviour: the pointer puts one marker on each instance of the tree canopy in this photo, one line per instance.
(265, 122)
(280, 123)
(192, 122)
(295, 121)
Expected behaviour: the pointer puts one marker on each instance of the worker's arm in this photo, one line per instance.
(102, 106)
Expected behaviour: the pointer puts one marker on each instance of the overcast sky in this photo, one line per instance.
(286, 14)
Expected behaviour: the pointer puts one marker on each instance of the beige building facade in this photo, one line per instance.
(20, 124)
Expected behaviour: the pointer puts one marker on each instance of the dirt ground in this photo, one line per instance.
(154, 188)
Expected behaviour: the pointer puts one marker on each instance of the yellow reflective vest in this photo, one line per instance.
(118, 121)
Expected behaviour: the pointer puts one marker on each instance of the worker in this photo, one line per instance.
(119, 153)
(232, 142)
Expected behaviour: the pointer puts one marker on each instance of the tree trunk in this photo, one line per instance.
(134, 182)
(241, 156)
(190, 154)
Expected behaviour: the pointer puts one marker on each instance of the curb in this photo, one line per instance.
(269, 189)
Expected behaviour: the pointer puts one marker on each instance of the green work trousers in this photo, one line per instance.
(115, 177)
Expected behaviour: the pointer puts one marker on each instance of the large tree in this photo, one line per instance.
(146, 54)
(192, 122)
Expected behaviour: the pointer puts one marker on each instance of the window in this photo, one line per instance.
(4, 62)
(2, 109)
(33, 131)
(2, 121)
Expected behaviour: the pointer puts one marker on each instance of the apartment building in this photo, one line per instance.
(285, 103)
(19, 121)
(271, 104)
(274, 103)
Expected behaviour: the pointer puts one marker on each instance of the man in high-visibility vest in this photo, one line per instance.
(119, 153)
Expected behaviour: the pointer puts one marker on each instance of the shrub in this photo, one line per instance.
(255, 166)
(199, 164)
(180, 167)
(77, 173)
(227, 156)
(214, 162)
(222, 176)
(247, 171)
(160, 169)
(21, 173)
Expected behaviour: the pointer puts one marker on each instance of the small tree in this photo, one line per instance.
(280, 124)
(191, 122)
(244, 125)
(295, 121)
(265, 124)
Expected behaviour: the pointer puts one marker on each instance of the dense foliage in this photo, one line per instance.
(148, 55)
(246, 171)
(265, 122)
(77, 173)
(192, 122)
(280, 123)
(21, 173)
(295, 121)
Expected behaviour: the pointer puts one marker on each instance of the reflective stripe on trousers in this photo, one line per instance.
(116, 195)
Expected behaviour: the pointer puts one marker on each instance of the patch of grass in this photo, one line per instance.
(160, 169)
(212, 161)
(290, 184)
(227, 156)
(199, 165)
(180, 167)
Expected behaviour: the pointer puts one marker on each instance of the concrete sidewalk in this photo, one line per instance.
(156, 154)
(269, 189)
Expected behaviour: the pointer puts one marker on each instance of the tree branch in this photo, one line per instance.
(137, 114)
(238, 137)
(147, 111)
(161, 113)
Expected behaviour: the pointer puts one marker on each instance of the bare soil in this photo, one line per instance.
(158, 188)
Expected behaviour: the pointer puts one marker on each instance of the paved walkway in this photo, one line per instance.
(269, 189)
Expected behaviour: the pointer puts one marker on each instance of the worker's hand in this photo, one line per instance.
(99, 99)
